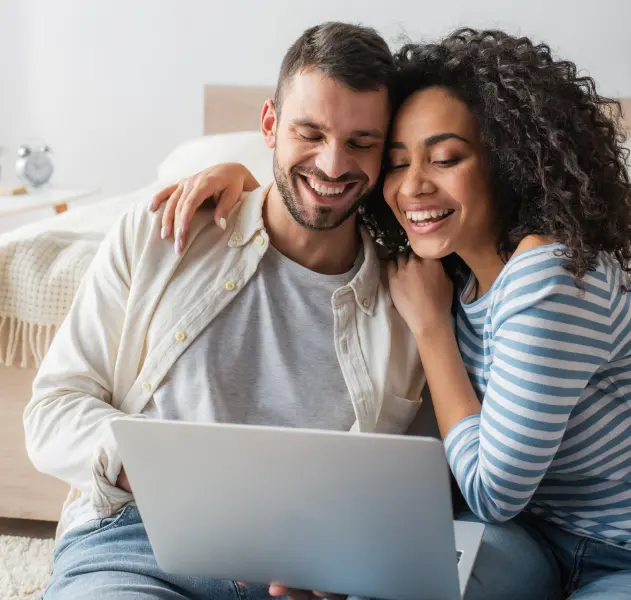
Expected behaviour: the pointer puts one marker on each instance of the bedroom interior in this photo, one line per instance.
(212, 118)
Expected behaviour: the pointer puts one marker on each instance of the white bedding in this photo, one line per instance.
(41, 266)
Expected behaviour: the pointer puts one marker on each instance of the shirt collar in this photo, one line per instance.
(249, 222)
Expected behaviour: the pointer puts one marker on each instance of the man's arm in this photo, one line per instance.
(67, 420)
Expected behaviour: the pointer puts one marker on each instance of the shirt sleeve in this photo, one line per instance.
(67, 421)
(548, 340)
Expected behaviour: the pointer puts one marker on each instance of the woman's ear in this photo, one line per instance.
(268, 123)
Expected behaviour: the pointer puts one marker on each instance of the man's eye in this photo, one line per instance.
(361, 146)
(310, 138)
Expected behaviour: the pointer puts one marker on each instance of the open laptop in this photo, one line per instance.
(357, 514)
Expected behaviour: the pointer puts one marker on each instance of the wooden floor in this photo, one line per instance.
(35, 529)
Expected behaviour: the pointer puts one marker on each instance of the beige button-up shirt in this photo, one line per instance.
(140, 306)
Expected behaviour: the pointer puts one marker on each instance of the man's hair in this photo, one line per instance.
(355, 56)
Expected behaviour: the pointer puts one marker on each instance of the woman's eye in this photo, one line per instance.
(398, 166)
(447, 163)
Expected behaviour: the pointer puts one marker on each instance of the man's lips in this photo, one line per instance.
(325, 192)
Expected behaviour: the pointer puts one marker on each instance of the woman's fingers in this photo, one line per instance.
(161, 197)
(169, 212)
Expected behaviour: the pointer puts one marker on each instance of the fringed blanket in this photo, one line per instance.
(38, 280)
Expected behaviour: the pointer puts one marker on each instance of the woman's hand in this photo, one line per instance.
(422, 293)
(220, 184)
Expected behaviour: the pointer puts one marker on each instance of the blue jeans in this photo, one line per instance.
(562, 565)
(111, 559)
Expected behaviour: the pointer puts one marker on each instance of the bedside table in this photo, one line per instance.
(38, 204)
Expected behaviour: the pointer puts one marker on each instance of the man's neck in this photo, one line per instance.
(329, 252)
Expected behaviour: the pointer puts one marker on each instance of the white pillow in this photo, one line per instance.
(195, 155)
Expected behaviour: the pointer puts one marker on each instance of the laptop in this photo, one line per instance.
(358, 514)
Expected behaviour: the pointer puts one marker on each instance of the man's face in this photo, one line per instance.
(328, 144)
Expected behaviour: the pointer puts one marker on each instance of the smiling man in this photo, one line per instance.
(278, 319)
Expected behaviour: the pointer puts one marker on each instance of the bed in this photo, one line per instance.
(41, 266)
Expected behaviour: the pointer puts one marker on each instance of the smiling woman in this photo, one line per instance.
(505, 160)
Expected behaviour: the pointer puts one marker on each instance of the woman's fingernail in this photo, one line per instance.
(222, 223)
(151, 207)
(163, 233)
(178, 241)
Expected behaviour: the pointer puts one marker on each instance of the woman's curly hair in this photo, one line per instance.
(555, 146)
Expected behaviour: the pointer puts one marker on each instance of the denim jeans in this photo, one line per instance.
(111, 559)
(589, 569)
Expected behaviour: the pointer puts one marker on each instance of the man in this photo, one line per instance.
(278, 319)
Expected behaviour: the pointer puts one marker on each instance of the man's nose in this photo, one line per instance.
(334, 159)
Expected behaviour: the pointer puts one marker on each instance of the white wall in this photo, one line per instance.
(14, 98)
(113, 86)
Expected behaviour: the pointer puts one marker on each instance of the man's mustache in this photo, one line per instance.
(322, 176)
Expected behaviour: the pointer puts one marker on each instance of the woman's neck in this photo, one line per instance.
(486, 265)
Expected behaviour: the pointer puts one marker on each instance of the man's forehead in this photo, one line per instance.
(315, 98)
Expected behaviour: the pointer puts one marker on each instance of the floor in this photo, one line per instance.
(26, 528)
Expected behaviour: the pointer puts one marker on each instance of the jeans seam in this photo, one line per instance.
(237, 590)
(100, 528)
(577, 567)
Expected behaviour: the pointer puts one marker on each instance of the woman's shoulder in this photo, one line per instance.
(537, 272)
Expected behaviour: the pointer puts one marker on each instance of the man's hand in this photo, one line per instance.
(122, 482)
(279, 591)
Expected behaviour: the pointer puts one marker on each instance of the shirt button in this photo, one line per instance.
(230, 286)
(146, 386)
(365, 303)
(238, 237)
(259, 240)
(180, 336)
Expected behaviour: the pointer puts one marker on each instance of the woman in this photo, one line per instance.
(510, 168)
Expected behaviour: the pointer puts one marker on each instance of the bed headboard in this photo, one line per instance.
(238, 108)
(234, 107)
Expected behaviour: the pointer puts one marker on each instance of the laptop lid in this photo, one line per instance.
(357, 514)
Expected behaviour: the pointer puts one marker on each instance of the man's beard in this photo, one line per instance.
(325, 217)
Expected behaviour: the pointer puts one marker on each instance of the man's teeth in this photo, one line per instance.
(327, 190)
(419, 216)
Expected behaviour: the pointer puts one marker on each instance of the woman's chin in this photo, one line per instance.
(426, 248)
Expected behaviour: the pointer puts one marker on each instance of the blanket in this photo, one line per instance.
(38, 280)
(41, 267)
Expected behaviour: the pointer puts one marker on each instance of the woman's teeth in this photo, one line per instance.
(427, 217)
(326, 190)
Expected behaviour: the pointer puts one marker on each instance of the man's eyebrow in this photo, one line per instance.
(431, 141)
(374, 133)
(308, 123)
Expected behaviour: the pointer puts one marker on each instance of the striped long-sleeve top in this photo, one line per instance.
(552, 368)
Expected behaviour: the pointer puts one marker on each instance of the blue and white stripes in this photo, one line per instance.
(552, 367)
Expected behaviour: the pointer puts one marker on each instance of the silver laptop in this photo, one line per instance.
(357, 514)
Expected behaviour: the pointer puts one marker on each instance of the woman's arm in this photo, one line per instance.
(547, 342)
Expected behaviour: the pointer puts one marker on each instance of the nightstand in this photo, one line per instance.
(39, 204)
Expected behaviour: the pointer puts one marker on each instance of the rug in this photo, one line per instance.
(25, 566)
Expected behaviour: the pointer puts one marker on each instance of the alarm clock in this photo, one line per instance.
(34, 165)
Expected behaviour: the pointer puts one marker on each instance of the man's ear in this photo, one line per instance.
(269, 123)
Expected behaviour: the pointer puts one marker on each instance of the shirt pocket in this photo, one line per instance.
(396, 414)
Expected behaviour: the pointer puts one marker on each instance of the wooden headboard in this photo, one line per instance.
(238, 108)
(234, 107)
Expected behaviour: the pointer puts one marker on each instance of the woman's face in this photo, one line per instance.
(437, 183)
